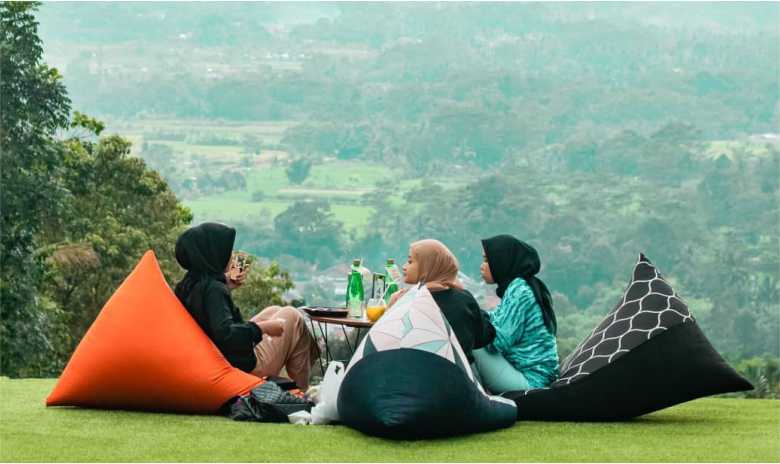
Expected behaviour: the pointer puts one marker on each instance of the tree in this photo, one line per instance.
(251, 144)
(265, 286)
(308, 229)
(118, 210)
(158, 156)
(34, 107)
(299, 170)
(321, 139)
(77, 214)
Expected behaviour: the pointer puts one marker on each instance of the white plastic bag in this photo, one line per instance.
(300, 418)
(326, 411)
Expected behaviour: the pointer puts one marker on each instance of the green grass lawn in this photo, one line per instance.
(707, 430)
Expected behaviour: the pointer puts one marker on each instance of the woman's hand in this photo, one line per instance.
(232, 284)
(397, 296)
(272, 327)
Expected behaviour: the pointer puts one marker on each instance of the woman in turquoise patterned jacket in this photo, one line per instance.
(524, 353)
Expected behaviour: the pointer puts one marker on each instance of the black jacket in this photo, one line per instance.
(471, 325)
(222, 322)
(205, 251)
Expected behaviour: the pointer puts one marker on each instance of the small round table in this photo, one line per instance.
(343, 322)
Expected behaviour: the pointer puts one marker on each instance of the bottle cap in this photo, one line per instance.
(390, 261)
(356, 262)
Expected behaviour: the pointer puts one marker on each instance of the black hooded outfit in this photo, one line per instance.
(204, 251)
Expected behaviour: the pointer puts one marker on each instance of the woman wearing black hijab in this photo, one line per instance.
(524, 353)
(273, 339)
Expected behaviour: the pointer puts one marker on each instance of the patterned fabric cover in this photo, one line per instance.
(416, 322)
(647, 354)
(409, 379)
(649, 307)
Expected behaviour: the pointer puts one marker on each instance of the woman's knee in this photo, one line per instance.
(271, 309)
(293, 320)
(290, 314)
(267, 313)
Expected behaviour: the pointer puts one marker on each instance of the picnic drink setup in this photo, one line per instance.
(355, 292)
(383, 286)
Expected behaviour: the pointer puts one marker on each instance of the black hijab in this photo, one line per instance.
(510, 258)
(204, 251)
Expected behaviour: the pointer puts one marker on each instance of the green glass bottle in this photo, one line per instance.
(355, 292)
(393, 278)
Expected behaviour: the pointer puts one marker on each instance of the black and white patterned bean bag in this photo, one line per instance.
(409, 378)
(647, 354)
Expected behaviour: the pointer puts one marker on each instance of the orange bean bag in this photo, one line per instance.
(144, 351)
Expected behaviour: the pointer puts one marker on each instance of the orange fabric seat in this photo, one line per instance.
(144, 351)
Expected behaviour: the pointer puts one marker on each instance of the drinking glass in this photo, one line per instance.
(375, 309)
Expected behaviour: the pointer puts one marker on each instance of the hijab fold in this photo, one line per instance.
(510, 258)
(437, 266)
(204, 251)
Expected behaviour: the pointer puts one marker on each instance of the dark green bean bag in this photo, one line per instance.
(409, 379)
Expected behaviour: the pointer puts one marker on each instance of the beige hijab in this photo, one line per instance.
(437, 266)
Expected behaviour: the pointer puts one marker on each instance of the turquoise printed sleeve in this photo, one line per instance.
(521, 336)
(509, 318)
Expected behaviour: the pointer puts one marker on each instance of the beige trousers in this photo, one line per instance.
(294, 349)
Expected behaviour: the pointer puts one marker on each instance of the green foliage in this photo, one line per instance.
(557, 123)
(589, 227)
(118, 210)
(77, 213)
(35, 107)
(425, 85)
(764, 374)
(321, 139)
(80, 120)
(309, 230)
(264, 287)
(298, 170)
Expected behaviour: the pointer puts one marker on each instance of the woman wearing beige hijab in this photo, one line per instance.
(431, 262)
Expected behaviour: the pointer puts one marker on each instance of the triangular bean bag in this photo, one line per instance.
(144, 351)
(648, 353)
(409, 378)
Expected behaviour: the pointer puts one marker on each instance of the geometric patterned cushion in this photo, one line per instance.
(647, 354)
(648, 307)
(409, 378)
(416, 322)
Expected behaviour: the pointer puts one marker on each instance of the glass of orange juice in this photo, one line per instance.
(375, 309)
